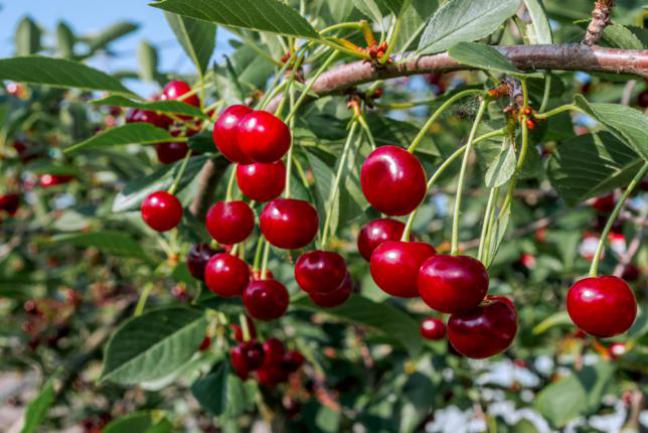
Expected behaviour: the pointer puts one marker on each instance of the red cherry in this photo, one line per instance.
(433, 328)
(204, 345)
(602, 306)
(484, 331)
(604, 204)
(225, 131)
(642, 99)
(289, 223)
(393, 180)
(320, 271)
(394, 266)
(49, 180)
(161, 211)
(273, 351)
(246, 357)
(271, 376)
(263, 137)
(261, 181)
(292, 361)
(150, 117)
(168, 153)
(226, 275)
(176, 88)
(237, 331)
(617, 350)
(197, 258)
(334, 298)
(631, 273)
(10, 203)
(266, 299)
(230, 222)
(256, 275)
(376, 232)
(452, 284)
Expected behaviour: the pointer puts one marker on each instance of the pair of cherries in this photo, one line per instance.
(323, 275)
(271, 362)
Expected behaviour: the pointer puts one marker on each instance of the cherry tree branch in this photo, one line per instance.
(600, 20)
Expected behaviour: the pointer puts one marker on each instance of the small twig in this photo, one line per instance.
(627, 92)
(600, 20)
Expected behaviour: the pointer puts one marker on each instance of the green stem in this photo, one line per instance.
(244, 327)
(545, 95)
(264, 264)
(488, 222)
(230, 184)
(141, 303)
(345, 50)
(421, 135)
(365, 127)
(289, 156)
(613, 216)
(454, 249)
(336, 183)
(405, 105)
(181, 171)
(349, 25)
(257, 254)
(557, 110)
(391, 44)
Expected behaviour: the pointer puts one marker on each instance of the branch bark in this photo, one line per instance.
(600, 20)
(207, 180)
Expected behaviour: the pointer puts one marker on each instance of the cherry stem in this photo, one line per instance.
(557, 110)
(365, 127)
(245, 329)
(141, 302)
(336, 183)
(433, 118)
(489, 216)
(176, 182)
(613, 216)
(230, 184)
(442, 168)
(257, 254)
(289, 156)
(264, 264)
(391, 44)
(454, 249)
(350, 25)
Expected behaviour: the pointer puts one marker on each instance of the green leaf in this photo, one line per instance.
(498, 231)
(590, 165)
(197, 38)
(539, 31)
(464, 20)
(150, 346)
(139, 133)
(221, 392)
(265, 15)
(27, 37)
(59, 73)
(370, 9)
(413, 19)
(323, 165)
(140, 422)
(110, 34)
(130, 198)
(629, 124)
(169, 106)
(575, 395)
(148, 61)
(621, 37)
(65, 40)
(110, 242)
(394, 323)
(502, 168)
(38, 407)
(482, 56)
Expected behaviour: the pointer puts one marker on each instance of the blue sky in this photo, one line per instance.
(90, 16)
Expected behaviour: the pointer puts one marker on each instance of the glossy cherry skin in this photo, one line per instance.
(451, 284)
(393, 180)
(49, 180)
(337, 297)
(161, 211)
(485, 330)
(261, 181)
(230, 222)
(376, 232)
(176, 88)
(432, 329)
(320, 271)
(289, 223)
(263, 137)
(10, 203)
(266, 299)
(226, 130)
(273, 351)
(197, 258)
(602, 306)
(150, 117)
(642, 99)
(239, 362)
(168, 153)
(226, 275)
(292, 361)
(394, 266)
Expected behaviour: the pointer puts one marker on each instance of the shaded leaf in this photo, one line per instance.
(167, 106)
(221, 392)
(539, 31)
(27, 37)
(621, 37)
(110, 34)
(140, 422)
(502, 168)
(148, 60)
(481, 56)
(130, 133)
(65, 40)
(197, 38)
(110, 242)
(38, 407)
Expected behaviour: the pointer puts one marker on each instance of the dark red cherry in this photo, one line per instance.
(176, 89)
(292, 361)
(150, 117)
(602, 306)
(9, 203)
(394, 266)
(254, 354)
(432, 328)
(204, 345)
(289, 223)
(265, 299)
(49, 180)
(451, 284)
(230, 222)
(261, 181)
(274, 352)
(393, 180)
(271, 376)
(168, 153)
(642, 99)
(337, 297)
(376, 232)
(237, 331)
(263, 137)
(320, 271)
(161, 211)
(605, 203)
(484, 331)
(197, 258)
(225, 131)
(226, 275)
